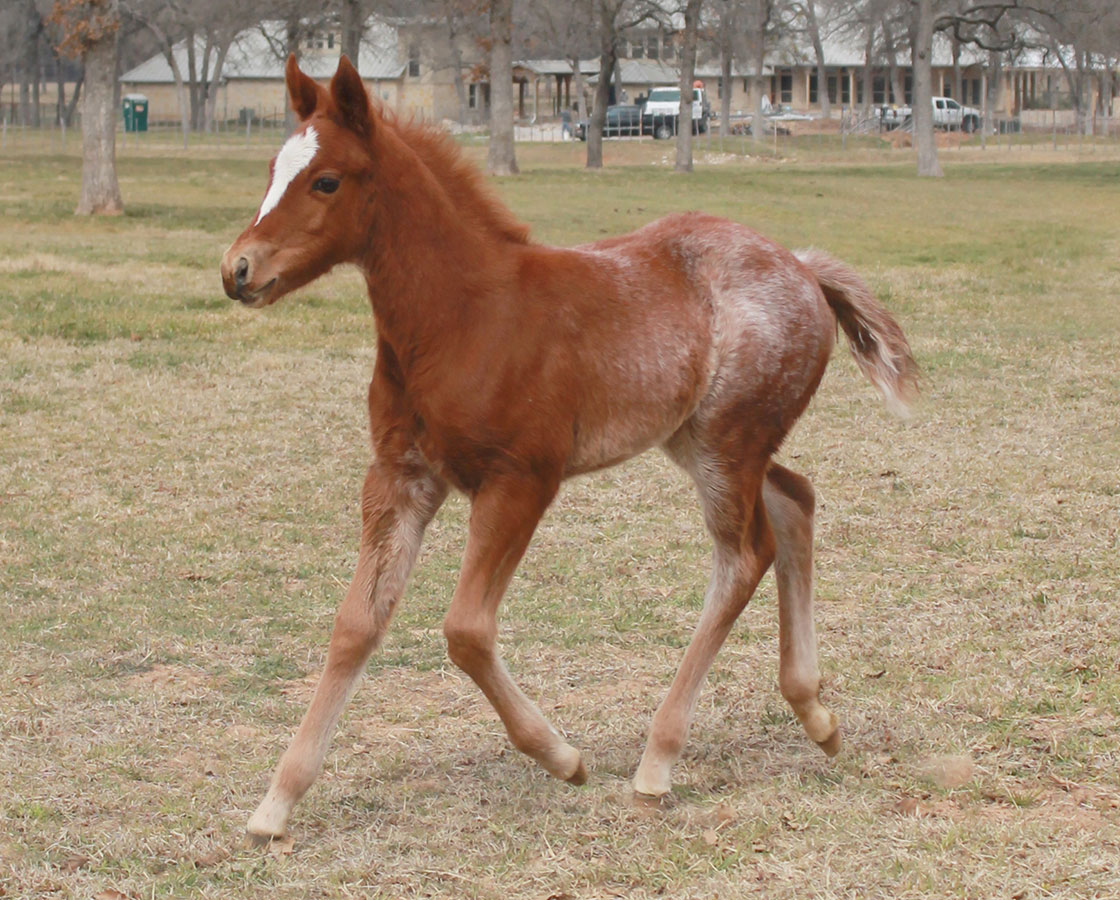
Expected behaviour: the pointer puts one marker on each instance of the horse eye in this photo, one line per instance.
(325, 185)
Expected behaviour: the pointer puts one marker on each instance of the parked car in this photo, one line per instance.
(659, 115)
(621, 121)
(947, 114)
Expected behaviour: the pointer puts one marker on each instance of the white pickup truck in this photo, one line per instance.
(947, 114)
(663, 106)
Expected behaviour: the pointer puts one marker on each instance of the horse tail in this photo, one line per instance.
(880, 348)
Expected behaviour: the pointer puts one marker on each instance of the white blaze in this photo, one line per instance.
(293, 158)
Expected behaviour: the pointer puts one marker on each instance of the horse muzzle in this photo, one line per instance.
(242, 279)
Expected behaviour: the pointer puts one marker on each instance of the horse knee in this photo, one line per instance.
(469, 645)
(799, 687)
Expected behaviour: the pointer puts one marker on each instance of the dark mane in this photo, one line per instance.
(461, 180)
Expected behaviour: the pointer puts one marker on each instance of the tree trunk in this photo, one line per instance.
(958, 84)
(101, 194)
(501, 159)
(688, 68)
(921, 59)
(292, 35)
(24, 95)
(898, 92)
(214, 81)
(29, 81)
(577, 81)
(868, 70)
(818, 49)
(457, 76)
(602, 91)
(77, 95)
(757, 44)
(991, 89)
(180, 94)
(1076, 90)
(725, 59)
(37, 76)
(352, 28)
(192, 79)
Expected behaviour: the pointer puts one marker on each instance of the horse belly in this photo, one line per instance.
(637, 403)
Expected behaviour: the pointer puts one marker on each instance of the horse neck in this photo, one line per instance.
(442, 246)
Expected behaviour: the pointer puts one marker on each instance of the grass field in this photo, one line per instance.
(178, 519)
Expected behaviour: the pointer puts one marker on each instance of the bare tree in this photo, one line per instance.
(568, 28)
(501, 158)
(806, 12)
(1082, 36)
(167, 21)
(613, 18)
(726, 27)
(89, 29)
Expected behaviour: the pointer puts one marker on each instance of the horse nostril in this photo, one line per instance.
(241, 272)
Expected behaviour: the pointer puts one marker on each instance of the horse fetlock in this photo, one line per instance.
(564, 762)
(270, 820)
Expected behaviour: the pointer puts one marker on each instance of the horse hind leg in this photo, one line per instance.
(789, 504)
(744, 549)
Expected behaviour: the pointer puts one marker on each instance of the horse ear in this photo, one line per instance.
(350, 98)
(302, 91)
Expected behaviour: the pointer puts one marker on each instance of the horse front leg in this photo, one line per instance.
(399, 498)
(503, 518)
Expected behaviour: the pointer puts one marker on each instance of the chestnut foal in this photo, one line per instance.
(504, 367)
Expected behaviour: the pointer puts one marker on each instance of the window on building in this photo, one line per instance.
(414, 61)
(669, 51)
(878, 90)
(908, 89)
(478, 95)
(786, 86)
(653, 46)
(637, 49)
(813, 90)
(330, 41)
(845, 88)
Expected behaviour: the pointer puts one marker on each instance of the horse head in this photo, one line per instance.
(318, 209)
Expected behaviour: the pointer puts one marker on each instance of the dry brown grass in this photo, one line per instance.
(178, 486)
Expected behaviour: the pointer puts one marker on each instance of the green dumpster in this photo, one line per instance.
(135, 112)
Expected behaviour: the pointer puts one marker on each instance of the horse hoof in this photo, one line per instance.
(831, 745)
(579, 776)
(255, 841)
